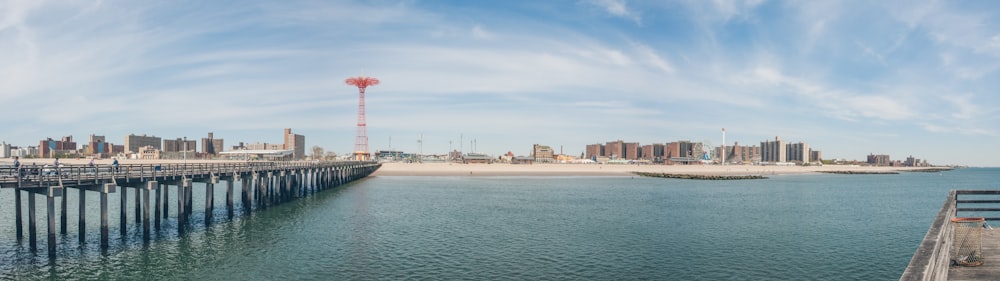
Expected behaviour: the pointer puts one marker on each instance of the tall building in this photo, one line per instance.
(687, 149)
(815, 155)
(5, 150)
(773, 151)
(632, 151)
(179, 145)
(671, 150)
(264, 146)
(798, 152)
(50, 148)
(680, 151)
(879, 160)
(614, 150)
(295, 143)
(750, 154)
(148, 152)
(594, 150)
(733, 153)
(542, 153)
(211, 145)
(653, 152)
(133, 142)
(97, 145)
(736, 153)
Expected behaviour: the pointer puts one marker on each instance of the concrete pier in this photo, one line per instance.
(262, 185)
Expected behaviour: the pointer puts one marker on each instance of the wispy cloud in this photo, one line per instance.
(832, 73)
(618, 8)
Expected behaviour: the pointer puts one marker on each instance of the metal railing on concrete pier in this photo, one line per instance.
(264, 184)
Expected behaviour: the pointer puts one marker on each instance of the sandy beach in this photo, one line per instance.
(444, 169)
(453, 169)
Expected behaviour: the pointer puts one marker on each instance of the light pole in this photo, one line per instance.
(185, 155)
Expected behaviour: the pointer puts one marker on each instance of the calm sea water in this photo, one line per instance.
(790, 227)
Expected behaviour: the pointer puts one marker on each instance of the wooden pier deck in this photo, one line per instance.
(990, 270)
(932, 259)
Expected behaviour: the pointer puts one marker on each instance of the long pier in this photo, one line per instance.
(933, 259)
(263, 184)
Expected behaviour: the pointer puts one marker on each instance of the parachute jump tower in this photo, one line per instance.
(361, 140)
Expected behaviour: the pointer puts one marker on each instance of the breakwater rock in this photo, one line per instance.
(700, 177)
(931, 170)
(861, 172)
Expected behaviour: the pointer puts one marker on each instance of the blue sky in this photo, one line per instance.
(848, 77)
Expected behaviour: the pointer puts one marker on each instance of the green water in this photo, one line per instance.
(793, 227)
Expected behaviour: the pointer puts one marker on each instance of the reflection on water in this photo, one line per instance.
(795, 227)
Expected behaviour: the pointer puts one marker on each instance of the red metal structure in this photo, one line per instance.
(361, 140)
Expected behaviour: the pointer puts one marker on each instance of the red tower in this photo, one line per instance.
(361, 140)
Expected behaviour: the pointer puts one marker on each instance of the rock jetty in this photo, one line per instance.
(700, 177)
(861, 172)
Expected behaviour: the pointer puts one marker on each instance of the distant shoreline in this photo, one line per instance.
(445, 169)
(623, 170)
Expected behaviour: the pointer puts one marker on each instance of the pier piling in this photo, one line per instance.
(32, 231)
(82, 221)
(166, 200)
(138, 205)
(229, 197)
(62, 216)
(107, 188)
(122, 216)
(209, 199)
(53, 192)
(156, 207)
(188, 199)
(181, 218)
(145, 208)
(17, 212)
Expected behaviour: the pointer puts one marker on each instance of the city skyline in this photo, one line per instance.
(294, 142)
(852, 77)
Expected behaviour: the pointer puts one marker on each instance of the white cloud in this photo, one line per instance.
(271, 65)
(650, 55)
(479, 32)
(617, 8)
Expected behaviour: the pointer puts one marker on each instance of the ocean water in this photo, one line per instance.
(789, 227)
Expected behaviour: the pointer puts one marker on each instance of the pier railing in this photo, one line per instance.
(982, 204)
(931, 261)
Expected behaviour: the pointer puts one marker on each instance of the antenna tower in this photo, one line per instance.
(361, 139)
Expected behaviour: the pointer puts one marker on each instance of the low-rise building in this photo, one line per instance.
(148, 152)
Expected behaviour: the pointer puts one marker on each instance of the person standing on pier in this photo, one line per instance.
(114, 165)
(17, 166)
(55, 165)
